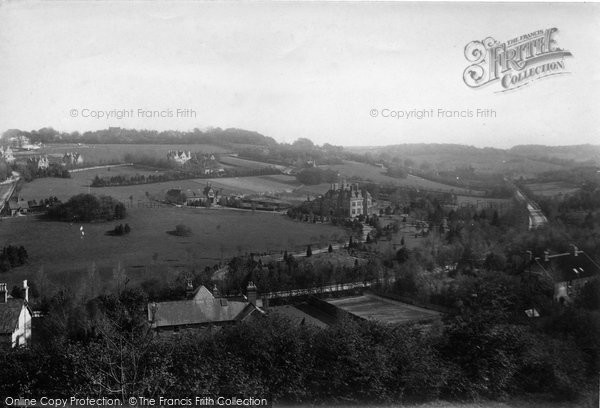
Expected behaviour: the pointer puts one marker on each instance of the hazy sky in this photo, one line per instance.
(292, 70)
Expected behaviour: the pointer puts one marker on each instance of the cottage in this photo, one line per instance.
(18, 206)
(204, 309)
(15, 318)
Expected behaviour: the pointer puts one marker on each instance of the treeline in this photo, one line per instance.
(301, 153)
(293, 273)
(31, 171)
(213, 136)
(87, 208)
(315, 175)
(12, 256)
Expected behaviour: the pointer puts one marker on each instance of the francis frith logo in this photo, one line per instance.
(516, 62)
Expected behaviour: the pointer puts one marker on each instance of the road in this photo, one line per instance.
(7, 189)
(537, 218)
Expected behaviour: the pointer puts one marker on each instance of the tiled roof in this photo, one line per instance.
(567, 267)
(9, 315)
(204, 308)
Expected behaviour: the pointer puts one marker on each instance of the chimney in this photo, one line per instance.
(26, 290)
(215, 291)
(251, 293)
(153, 310)
(529, 256)
(189, 289)
(3, 293)
(575, 250)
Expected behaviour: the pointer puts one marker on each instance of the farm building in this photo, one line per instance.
(203, 310)
(15, 318)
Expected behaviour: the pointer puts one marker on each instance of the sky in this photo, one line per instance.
(331, 72)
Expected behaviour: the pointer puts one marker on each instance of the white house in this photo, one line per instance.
(15, 318)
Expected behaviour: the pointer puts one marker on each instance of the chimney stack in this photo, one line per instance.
(26, 290)
(189, 289)
(215, 291)
(3, 293)
(251, 293)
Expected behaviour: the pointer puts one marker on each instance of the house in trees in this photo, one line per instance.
(40, 162)
(343, 200)
(203, 309)
(15, 318)
(179, 156)
(7, 154)
(569, 272)
(72, 159)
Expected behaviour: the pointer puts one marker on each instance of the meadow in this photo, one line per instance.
(149, 251)
(366, 172)
(551, 188)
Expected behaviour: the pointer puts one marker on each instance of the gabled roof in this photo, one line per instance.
(567, 267)
(17, 205)
(202, 293)
(9, 315)
(204, 308)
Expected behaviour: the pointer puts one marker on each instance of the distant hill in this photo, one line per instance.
(578, 153)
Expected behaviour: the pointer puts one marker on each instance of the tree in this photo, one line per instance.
(127, 229)
(308, 252)
(182, 230)
(402, 255)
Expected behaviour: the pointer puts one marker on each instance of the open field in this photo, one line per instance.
(217, 234)
(79, 182)
(113, 153)
(367, 172)
(483, 202)
(551, 188)
(250, 164)
(383, 310)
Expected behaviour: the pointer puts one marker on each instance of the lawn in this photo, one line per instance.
(217, 234)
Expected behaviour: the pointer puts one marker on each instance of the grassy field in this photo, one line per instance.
(80, 181)
(60, 248)
(551, 188)
(375, 174)
(483, 202)
(249, 164)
